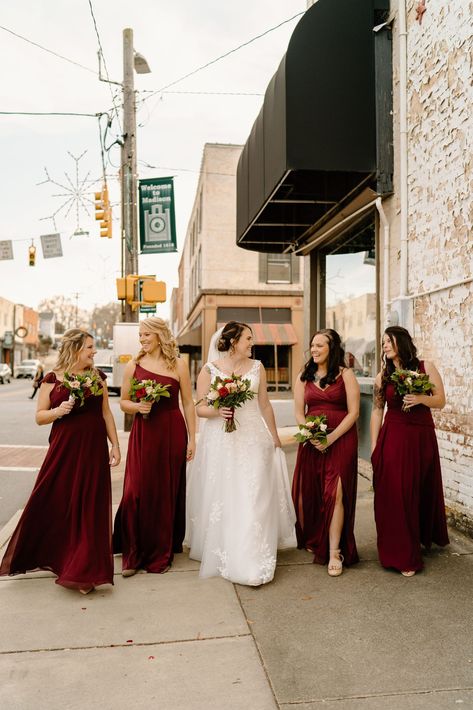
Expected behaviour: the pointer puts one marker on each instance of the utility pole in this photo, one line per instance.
(128, 169)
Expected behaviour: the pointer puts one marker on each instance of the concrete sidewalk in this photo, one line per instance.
(369, 640)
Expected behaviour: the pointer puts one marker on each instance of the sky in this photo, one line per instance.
(176, 38)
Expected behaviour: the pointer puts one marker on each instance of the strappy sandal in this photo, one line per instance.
(335, 570)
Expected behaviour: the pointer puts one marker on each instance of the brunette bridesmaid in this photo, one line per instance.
(408, 496)
(325, 477)
(150, 522)
(66, 525)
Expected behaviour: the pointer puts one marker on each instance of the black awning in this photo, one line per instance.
(316, 142)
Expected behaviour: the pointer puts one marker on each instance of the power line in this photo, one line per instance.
(223, 56)
(45, 49)
(209, 93)
(184, 170)
(104, 63)
(51, 113)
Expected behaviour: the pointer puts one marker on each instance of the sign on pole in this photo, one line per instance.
(6, 250)
(51, 245)
(157, 219)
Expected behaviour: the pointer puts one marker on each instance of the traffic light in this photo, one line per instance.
(153, 291)
(103, 212)
(31, 255)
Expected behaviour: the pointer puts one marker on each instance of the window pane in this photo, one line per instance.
(350, 296)
(279, 268)
(242, 315)
(276, 315)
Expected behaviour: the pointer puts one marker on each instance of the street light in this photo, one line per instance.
(141, 65)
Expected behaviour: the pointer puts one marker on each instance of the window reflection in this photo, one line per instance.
(350, 298)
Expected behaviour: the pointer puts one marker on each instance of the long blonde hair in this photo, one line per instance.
(166, 341)
(73, 341)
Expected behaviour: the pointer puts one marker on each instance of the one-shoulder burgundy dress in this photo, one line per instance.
(316, 475)
(150, 521)
(408, 496)
(66, 526)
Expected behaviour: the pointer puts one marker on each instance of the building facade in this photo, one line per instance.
(361, 161)
(219, 282)
(18, 332)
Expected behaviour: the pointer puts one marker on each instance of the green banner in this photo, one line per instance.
(157, 219)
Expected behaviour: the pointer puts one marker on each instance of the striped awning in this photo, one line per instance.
(272, 333)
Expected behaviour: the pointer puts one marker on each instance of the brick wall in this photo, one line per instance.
(440, 140)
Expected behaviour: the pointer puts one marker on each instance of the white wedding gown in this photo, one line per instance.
(239, 506)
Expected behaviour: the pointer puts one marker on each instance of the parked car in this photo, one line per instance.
(27, 369)
(5, 373)
(108, 370)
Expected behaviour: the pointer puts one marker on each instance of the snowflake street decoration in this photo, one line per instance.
(76, 194)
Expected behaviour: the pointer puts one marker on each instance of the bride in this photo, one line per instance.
(239, 507)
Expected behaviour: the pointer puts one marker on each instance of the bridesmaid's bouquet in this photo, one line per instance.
(81, 386)
(315, 427)
(147, 391)
(230, 392)
(411, 382)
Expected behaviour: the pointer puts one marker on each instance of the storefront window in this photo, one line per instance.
(350, 297)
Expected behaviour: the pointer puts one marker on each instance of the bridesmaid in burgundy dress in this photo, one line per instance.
(66, 526)
(408, 496)
(325, 477)
(150, 522)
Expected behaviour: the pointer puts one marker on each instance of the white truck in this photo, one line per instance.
(126, 345)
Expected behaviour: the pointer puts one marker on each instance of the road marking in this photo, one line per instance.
(7, 531)
(30, 469)
(23, 446)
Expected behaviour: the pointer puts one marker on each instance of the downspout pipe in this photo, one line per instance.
(386, 245)
(403, 158)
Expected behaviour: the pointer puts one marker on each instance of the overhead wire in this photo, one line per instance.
(104, 63)
(222, 56)
(50, 113)
(50, 51)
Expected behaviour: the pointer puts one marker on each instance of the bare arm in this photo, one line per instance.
(352, 389)
(266, 408)
(187, 405)
(203, 410)
(299, 403)
(111, 428)
(377, 411)
(44, 413)
(434, 401)
(126, 405)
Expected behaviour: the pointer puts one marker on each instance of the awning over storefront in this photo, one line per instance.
(324, 133)
(271, 333)
(191, 337)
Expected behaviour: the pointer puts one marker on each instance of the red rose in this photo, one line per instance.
(227, 380)
(222, 392)
(87, 392)
(139, 394)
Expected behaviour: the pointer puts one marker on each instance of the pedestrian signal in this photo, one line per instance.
(31, 255)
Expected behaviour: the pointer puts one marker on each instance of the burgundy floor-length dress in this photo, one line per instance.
(66, 526)
(316, 477)
(150, 521)
(408, 496)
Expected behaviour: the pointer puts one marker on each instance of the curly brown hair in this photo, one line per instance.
(72, 343)
(231, 333)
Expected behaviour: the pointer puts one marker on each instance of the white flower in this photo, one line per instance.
(231, 386)
(409, 380)
(75, 384)
(305, 432)
(323, 427)
(149, 390)
(212, 395)
(243, 388)
(88, 382)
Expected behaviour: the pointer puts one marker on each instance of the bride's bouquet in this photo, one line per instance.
(81, 386)
(230, 392)
(147, 391)
(411, 382)
(315, 427)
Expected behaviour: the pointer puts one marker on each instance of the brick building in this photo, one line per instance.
(360, 160)
(219, 282)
